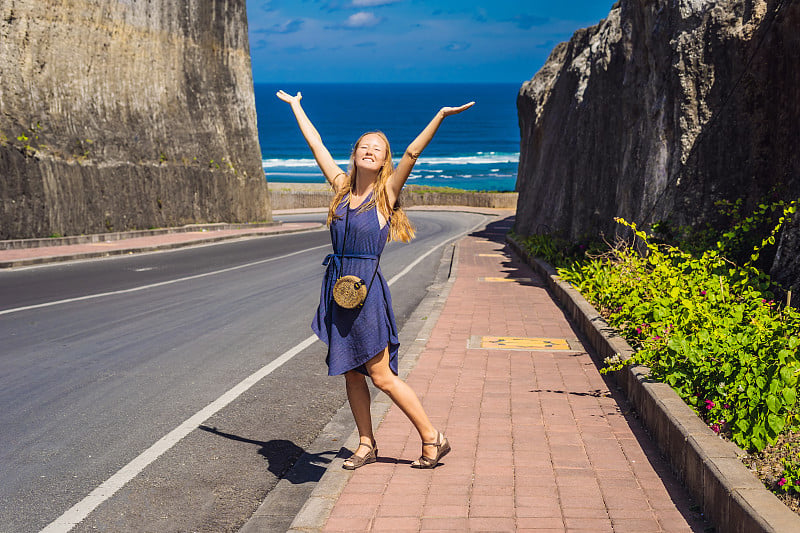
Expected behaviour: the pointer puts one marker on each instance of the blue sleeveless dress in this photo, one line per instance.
(354, 336)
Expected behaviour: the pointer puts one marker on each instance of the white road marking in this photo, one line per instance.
(153, 285)
(83, 508)
(407, 269)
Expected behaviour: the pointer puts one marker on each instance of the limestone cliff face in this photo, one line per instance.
(120, 114)
(660, 110)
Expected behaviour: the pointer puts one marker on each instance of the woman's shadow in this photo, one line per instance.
(282, 458)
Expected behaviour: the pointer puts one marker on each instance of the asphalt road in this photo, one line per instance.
(89, 384)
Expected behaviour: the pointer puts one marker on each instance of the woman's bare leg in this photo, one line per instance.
(404, 397)
(358, 396)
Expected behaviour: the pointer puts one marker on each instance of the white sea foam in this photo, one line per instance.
(481, 158)
(295, 174)
(296, 163)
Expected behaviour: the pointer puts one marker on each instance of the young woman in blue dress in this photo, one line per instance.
(372, 185)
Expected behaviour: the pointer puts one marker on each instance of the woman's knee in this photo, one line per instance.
(384, 381)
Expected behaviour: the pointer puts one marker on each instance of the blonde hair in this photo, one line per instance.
(400, 228)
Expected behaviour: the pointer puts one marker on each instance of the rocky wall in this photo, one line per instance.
(119, 115)
(658, 112)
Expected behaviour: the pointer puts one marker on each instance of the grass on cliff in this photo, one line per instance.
(709, 326)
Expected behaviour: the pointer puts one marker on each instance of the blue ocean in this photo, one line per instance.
(475, 150)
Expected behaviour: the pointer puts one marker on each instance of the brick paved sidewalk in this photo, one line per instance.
(539, 441)
(46, 254)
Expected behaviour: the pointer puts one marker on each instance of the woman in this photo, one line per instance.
(363, 216)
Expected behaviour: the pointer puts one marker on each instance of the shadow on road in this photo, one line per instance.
(282, 456)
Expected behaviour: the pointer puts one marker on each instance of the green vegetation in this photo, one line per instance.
(704, 323)
(444, 190)
(27, 139)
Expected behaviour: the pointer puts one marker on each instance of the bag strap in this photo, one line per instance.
(346, 225)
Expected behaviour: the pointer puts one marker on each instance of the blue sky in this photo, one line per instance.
(410, 40)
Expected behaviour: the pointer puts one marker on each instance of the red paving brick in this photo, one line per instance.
(539, 441)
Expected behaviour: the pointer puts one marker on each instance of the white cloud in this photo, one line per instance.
(289, 26)
(362, 19)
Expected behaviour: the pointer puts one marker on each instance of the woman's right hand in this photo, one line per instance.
(288, 98)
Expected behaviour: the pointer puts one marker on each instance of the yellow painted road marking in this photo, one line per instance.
(524, 343)
(488, 342)
(491, 255)
(492, 279)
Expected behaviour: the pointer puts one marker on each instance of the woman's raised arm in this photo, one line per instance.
(406, 164)
(332, 172)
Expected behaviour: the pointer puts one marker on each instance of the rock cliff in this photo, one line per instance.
(659, 111)
(120, 114)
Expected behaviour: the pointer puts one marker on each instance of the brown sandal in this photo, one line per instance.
(442, 449)
(357, 461)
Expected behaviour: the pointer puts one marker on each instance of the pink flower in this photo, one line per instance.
(657, 337)
(715, 428)
(702, 293)
(709, 405)
(782, 482)
(639, 330)
(726, 406)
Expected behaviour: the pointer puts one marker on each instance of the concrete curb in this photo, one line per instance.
(141, 249)
(17, 244)
(338, 433)
(731, 496)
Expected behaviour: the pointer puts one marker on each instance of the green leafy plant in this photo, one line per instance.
(558, 250)
(704, 324)
(26, 147)
(790, 479)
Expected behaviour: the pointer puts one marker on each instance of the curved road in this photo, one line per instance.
(88, 383)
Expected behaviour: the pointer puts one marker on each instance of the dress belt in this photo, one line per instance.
(336, 258)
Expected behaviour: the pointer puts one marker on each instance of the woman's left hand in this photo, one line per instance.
(447, 111)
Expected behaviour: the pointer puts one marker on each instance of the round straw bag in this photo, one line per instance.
(349, 291)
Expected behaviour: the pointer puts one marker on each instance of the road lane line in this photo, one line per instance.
(153, 285)
(78, 512)
(81, 510)
(407, 269)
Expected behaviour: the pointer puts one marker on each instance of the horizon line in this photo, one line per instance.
(393, 82)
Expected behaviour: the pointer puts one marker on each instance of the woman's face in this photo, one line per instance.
(370, 153)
